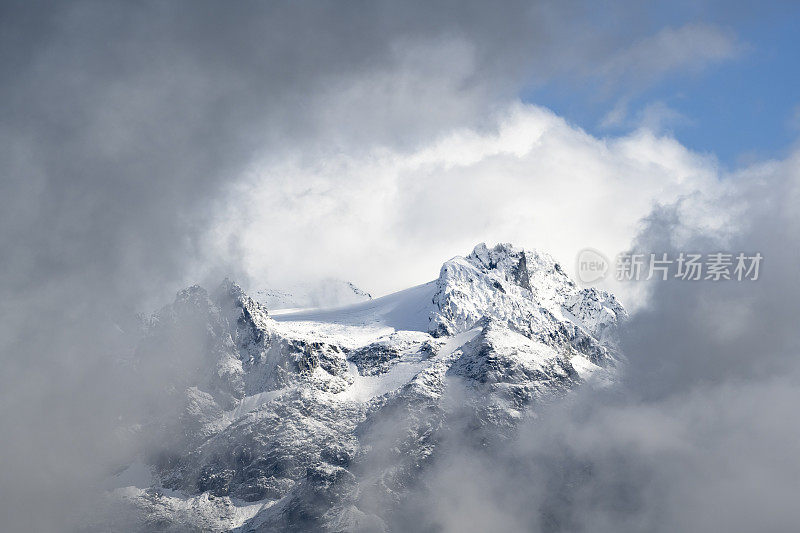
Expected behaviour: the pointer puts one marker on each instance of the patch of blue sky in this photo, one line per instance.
(742, 109)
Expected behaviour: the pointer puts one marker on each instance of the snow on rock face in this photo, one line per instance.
(265, 453)
(530, 293)
(379, 356)
(501, 356)
(510, 371)
(290, 410)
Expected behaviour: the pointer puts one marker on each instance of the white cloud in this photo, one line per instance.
(387, 219)
(692, 47)
(617, 116)
(656, 116)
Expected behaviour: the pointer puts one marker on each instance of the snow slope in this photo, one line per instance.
(404, 310)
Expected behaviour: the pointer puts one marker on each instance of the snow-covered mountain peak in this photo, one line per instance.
(506, 259)
(527, 290)
(279, 408)
(238, 307)
(230, 289)
(190, 298)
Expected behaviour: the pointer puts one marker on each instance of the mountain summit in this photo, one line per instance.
(322, 419)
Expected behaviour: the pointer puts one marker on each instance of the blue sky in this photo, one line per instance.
(743, 108)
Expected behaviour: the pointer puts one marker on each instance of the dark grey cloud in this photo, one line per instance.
(712, 331)
(716, 459)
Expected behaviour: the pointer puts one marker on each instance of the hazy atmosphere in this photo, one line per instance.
(315, 147)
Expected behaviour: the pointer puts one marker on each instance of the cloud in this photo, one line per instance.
(616, 116)
(388, 218)
(689, 48)
(727, 330)
(716, 458)
(657, 117)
